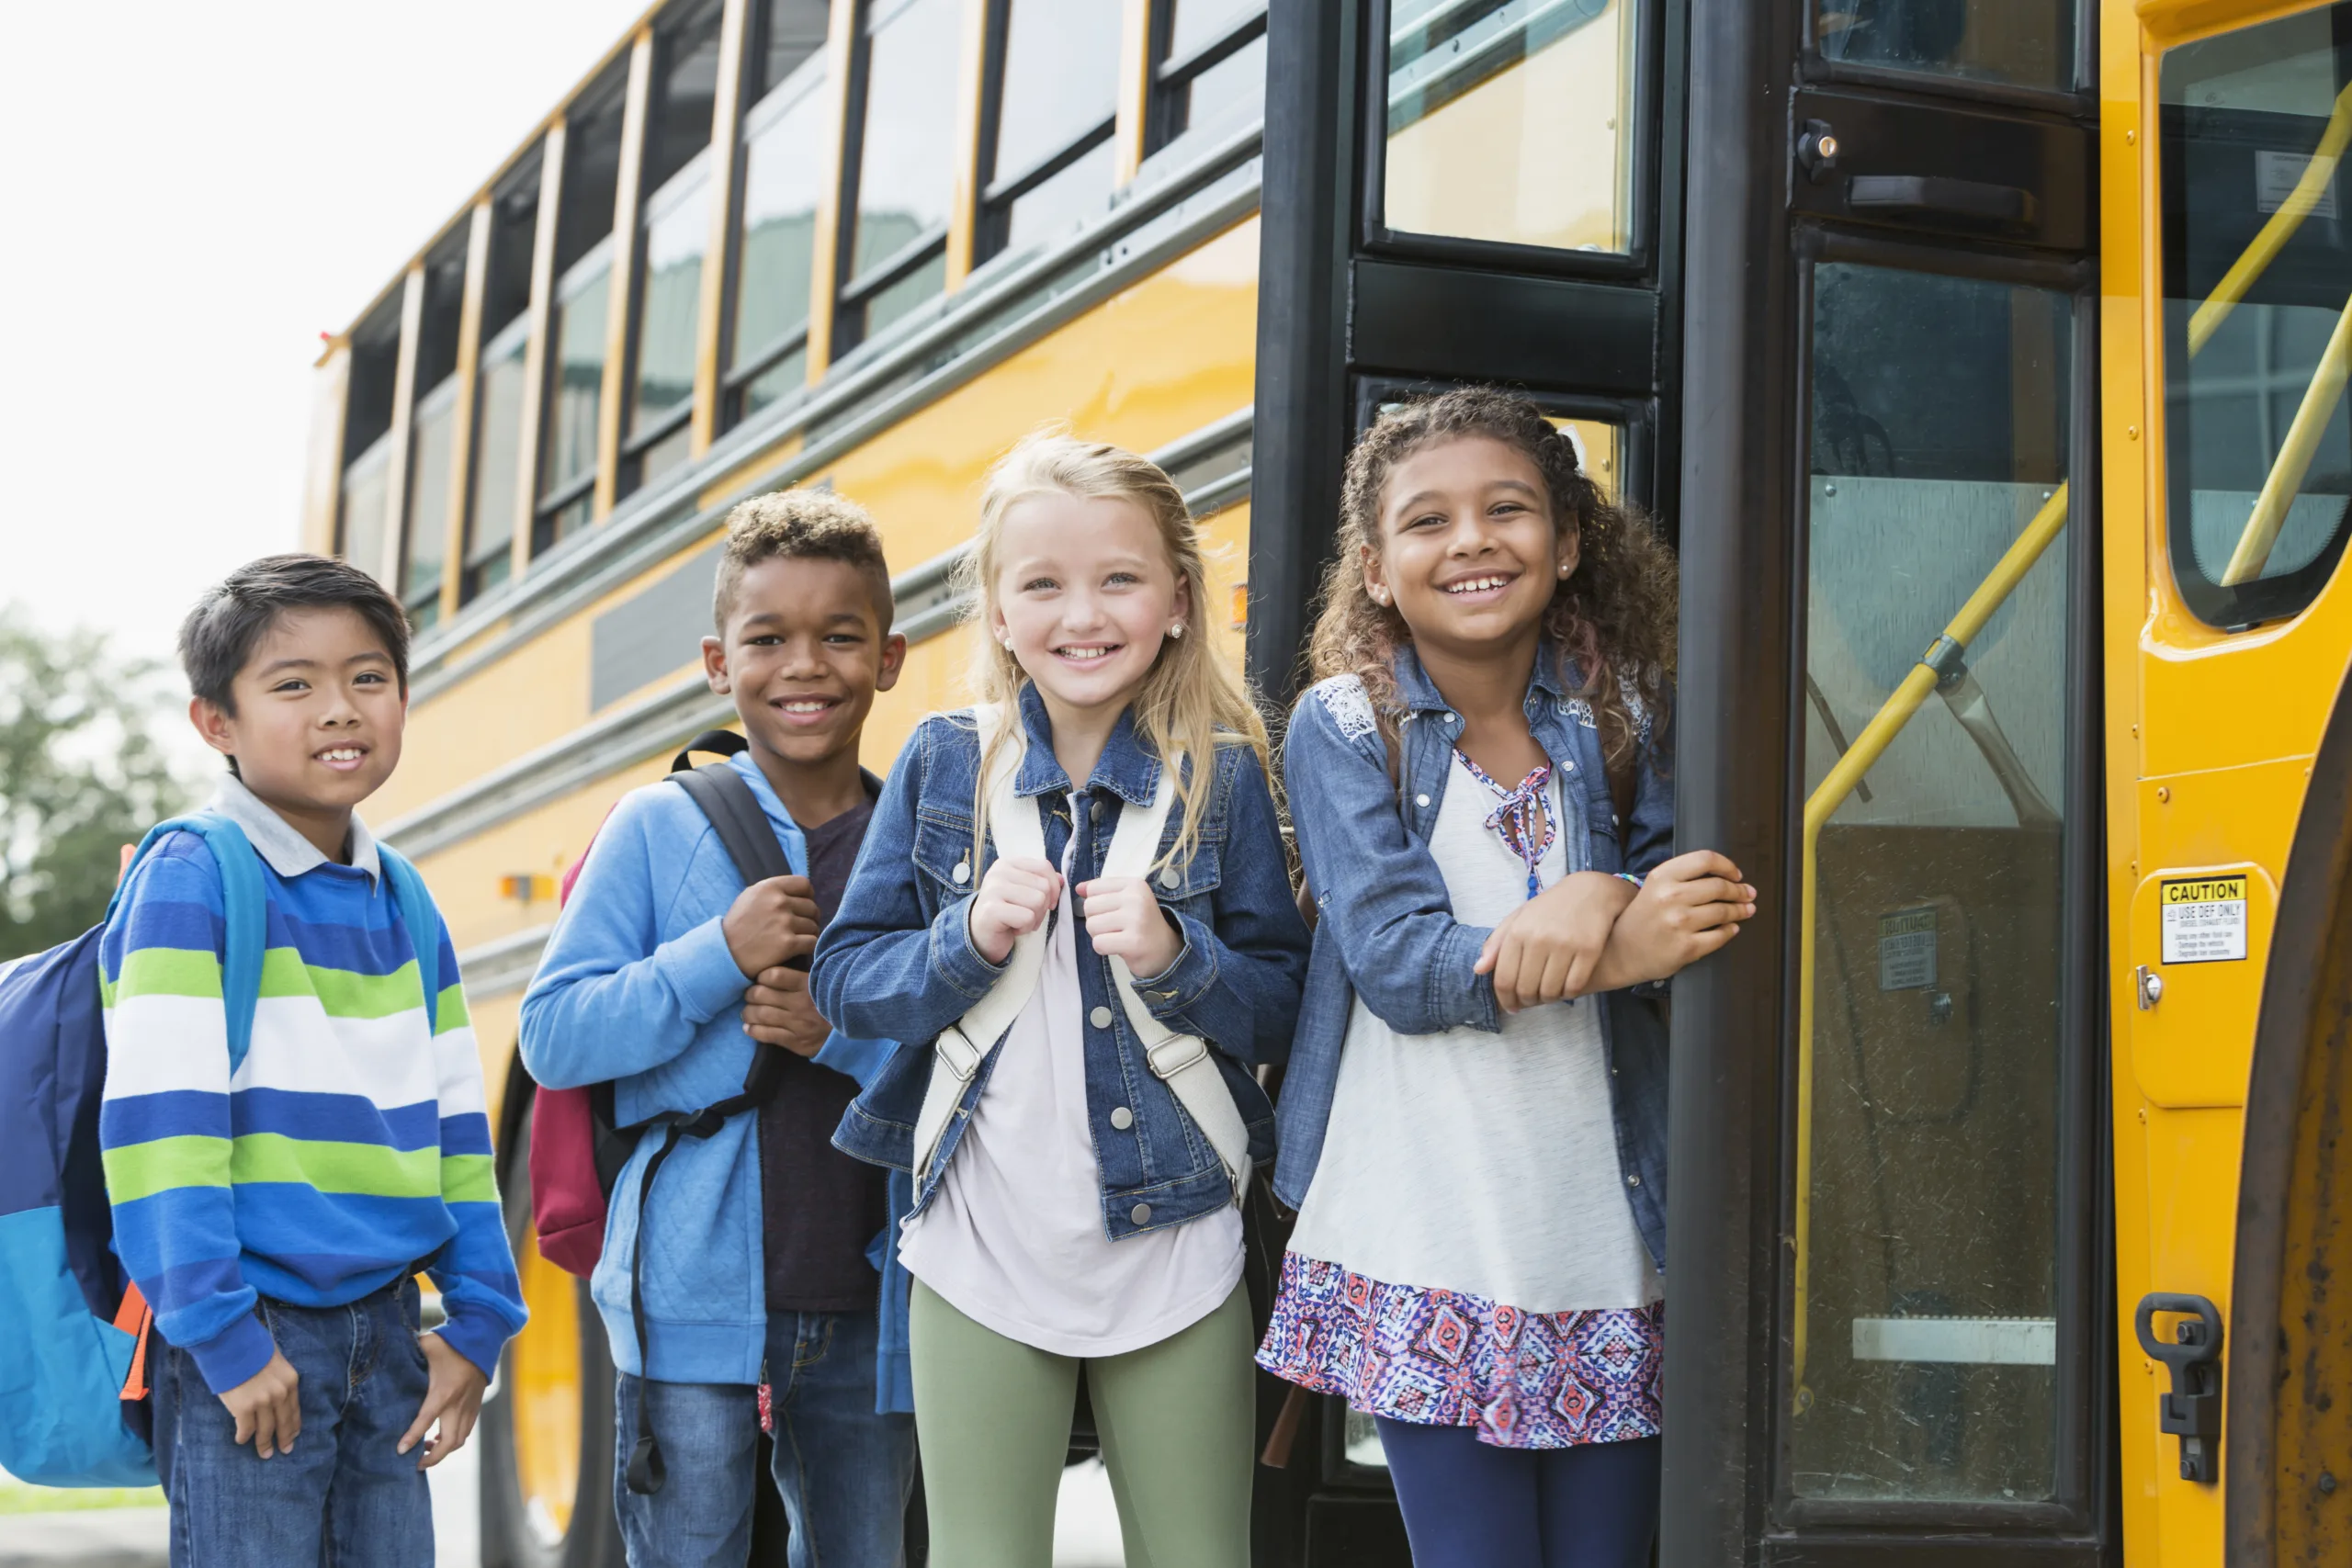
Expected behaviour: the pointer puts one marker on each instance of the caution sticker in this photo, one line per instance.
(2204, 918)
(1907, 950)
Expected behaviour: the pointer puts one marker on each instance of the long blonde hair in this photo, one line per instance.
(1191, 702)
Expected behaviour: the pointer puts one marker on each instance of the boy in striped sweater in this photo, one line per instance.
(276, 1218)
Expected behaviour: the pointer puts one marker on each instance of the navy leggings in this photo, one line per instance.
(1471, 1504)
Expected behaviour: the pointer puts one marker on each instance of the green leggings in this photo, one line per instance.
(993, 1417)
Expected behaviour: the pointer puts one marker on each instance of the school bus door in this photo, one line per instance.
(1889, 1335)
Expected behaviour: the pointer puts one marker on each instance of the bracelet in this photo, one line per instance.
(1627, 876)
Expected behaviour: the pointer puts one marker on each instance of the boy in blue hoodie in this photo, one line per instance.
(664, 974)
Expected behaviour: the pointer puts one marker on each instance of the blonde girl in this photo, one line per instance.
(1072, 910)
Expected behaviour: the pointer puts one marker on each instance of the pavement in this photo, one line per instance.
(1086, 1527)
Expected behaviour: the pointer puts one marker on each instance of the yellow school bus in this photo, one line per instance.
(1984, 360)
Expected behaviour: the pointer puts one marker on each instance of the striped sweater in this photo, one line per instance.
(350, 1147)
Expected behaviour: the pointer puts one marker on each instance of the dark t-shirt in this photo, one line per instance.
(822, 1208)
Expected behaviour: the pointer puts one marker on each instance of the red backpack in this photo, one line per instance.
(578, 1147)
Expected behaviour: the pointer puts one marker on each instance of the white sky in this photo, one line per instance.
(193, 193)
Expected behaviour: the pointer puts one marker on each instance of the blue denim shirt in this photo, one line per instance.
(1385, 928)
(898, 961)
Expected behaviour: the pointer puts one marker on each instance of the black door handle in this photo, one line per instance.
(1897, 196)
(2192, 1411)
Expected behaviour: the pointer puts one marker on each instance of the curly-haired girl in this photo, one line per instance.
(1474, 1123)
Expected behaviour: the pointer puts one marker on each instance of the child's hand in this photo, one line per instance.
(268, 1406)
(778, 1010)
(1548, 949)
(1125, 922)
(452, 1396)
(1013, 898)
(769, 922)
(1687, 908)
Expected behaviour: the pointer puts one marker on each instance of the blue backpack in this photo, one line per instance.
(74, 1407)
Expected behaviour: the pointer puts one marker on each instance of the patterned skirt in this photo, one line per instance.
(1439, 1358)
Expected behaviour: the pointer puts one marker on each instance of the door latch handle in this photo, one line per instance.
(2192, 1411)
(2148, 987)
(1897, 196)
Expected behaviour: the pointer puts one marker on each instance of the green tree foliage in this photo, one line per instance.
(81, 776)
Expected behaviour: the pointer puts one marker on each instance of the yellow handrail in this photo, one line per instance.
(1868, 747)
(2294, 460)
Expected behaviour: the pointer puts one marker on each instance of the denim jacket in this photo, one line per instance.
(898, 960)
(1385, 928)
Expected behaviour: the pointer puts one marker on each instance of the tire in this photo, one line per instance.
(543, 1508)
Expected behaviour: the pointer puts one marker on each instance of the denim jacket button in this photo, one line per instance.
(1100, 1017)
(1420, 800)
(1095, 811)
(1632, 1181)
(1140, 1214)
(1454, 718)
(1170, 878)
(1122, 1118)
(962, 874)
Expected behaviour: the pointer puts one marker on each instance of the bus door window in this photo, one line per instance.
(1508, 121)
(2258, 279)
(1927, 1302)
(2015, 44)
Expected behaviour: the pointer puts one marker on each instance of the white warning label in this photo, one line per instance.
(2204, 918)
(1907, 950)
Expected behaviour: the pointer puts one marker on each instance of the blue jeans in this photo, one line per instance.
(1470, 1504)
(843, 1472)
(342, 1494)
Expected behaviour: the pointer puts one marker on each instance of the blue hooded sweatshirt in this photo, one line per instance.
(638, 987)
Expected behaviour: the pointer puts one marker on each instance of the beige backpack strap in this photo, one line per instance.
(1183, 1062)
(963, 1045)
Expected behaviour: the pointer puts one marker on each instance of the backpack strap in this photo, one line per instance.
(245, 903)
(1183, 1062)
(737, 816)
(423, 921)
(964, 1045)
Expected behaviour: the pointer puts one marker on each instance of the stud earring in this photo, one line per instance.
(1177, 630)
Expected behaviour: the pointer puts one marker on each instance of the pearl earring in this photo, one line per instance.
(1176, 630)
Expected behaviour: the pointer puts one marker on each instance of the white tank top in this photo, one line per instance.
(1475, 1162)
(1014, 1237)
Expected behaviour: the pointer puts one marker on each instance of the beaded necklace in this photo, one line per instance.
(1518, 816)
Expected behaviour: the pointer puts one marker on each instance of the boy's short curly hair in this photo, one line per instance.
(800, 525)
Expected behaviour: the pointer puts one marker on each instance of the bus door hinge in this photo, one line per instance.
(2192, 1411)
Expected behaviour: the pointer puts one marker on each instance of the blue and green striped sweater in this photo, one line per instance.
(350, 1147)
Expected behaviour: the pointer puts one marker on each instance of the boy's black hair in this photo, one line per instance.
(236, 613)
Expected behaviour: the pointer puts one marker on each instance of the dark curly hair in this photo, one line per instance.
(1614, 617)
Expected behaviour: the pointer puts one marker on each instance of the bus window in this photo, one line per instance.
(576, 328)
(2257, 270)
(1505, 121)
(898, 255)
(677, 232)
(498, 382)
(1928, 1246)
(790, 32)
(777, 243)
(2019, 43)
(432, 436)
(367, 438)
(1056, 92)
(1209, 74)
